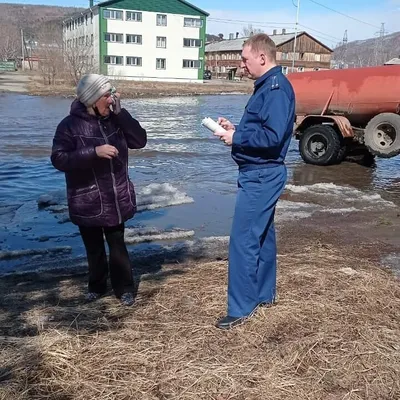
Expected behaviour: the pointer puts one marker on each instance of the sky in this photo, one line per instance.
(327, 20)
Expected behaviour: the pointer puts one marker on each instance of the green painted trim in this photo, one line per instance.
(102, 44)
(160, 6)
(202, 49)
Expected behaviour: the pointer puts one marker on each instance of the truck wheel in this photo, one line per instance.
(382, 135)
(321, 145)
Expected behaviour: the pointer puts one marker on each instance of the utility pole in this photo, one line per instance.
(381, 36)
(22, 44)
(295, 33)
(344, 49)
(379, 44)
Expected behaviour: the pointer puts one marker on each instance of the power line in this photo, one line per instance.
(322, 35)
(249, 22)
(345, 15)
(259, 25)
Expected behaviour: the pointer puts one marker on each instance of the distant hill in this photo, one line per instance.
(31, 17)
(374, 51)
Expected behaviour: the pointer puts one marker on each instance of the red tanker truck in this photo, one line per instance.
(339, 111)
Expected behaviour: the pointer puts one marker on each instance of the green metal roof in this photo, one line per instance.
(164, 6)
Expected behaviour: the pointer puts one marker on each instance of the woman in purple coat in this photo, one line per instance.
(91, 146)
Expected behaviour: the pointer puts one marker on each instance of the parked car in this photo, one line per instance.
(207, 74)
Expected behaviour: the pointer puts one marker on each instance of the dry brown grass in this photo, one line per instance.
(131, 89)
(333, 334)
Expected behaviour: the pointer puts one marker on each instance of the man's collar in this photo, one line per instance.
(269, 73)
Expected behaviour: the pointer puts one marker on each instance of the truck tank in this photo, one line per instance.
(358, 93)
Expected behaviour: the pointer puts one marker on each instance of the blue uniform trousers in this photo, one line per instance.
(252, 246)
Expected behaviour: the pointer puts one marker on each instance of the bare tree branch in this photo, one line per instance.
(10, 42)
(60, 60)
(248, 31)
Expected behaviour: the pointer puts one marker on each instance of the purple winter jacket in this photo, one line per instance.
(99, 191)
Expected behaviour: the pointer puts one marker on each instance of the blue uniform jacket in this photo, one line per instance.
(263, 135)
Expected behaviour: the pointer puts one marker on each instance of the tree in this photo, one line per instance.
(63, 60)
(50, 54)
(248, 31)
(10, 42)
(79, 59)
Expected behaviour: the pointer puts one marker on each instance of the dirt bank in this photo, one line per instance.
(130, 89)
(14, 82)
(333, 333)
(31, 83)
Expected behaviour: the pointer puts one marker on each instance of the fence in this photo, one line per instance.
(8, 66)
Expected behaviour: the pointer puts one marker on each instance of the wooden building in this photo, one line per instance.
(223, 58)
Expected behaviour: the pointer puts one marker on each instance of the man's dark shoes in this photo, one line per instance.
(229, 322)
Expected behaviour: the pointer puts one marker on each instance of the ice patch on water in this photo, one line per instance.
(52, 199)
(285, 204)
(7, 255)
(208, 248)
(323, 188)
(292, 215)
(142, 235)
(162, 195)
(340, 210)
(150, 197)
(344, 193)
(59, 208)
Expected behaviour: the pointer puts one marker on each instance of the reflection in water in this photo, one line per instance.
(343, 175)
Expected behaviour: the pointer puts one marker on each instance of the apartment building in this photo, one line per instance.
(140, 39)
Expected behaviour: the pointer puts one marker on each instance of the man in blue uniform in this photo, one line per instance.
(259, 146)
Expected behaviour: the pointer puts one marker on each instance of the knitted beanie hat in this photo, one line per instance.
(91, 87)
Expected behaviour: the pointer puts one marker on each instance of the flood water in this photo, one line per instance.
(185, 179)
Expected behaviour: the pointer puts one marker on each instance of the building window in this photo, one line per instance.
(91, 39)
(316, 69)
(161, 20)
(300, 69)
(112, 14)
(86, 19)
(193, 22)
(91, 18)
(161, 42)
(192, 64)
(285, 70)
(134, 16)
(192, 43)
(284, 56)
(161, 63)
(114, 37)
(134, 61)
(114, 60)
(136, 39)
